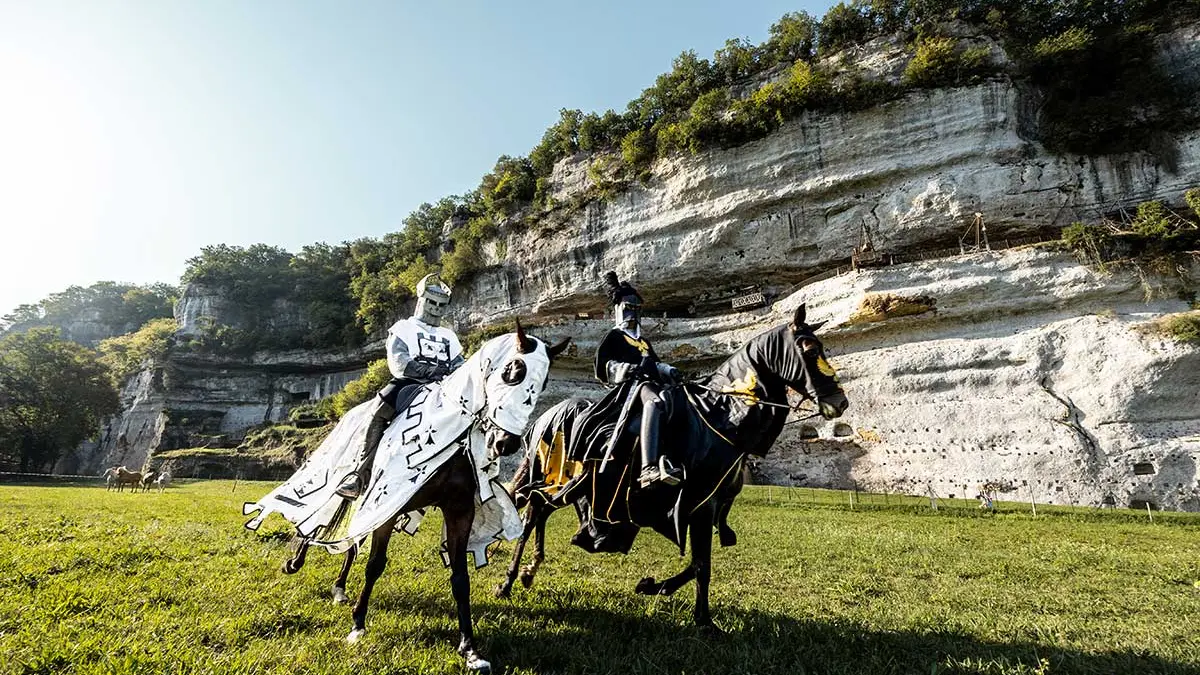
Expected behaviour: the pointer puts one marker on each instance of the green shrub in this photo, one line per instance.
(125, 354)
(467, 256)
(510, 186)
(1183, 327)
(322, 409)
(1091, 242)
(560, 140)
(933, 65)
(1072, 44)
(637, 149)
(1153, 220)
(363, 388)
(937, 63)
(1192, 197)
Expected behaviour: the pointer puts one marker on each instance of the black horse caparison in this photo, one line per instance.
(789, 356)
(452, 488)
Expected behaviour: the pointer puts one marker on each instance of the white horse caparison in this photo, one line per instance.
(476, 414)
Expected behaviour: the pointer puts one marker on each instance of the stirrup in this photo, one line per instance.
(669, 473)
(351, 487)
(658, 474)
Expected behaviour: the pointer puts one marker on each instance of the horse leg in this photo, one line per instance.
(375, 564)
(339, 585)
(701, 535)
(458, 529)
(539, 551)
(648, 586)
(725, 533)
(504, 588)
(293, 564)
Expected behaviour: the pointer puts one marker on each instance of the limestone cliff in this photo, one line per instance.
(913, 172)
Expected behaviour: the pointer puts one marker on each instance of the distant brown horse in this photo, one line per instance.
(122, 477)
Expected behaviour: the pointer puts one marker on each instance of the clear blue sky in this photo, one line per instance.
(134, 133)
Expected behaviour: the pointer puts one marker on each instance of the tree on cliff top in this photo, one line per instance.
(53, 394)
(119, 307)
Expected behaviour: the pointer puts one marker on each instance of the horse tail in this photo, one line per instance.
(522, 479)
(337, 521)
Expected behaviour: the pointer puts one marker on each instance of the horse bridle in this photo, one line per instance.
(753, 399)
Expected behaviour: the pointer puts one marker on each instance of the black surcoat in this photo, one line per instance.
(618, 346)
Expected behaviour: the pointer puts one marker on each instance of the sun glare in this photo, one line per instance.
(51, 156)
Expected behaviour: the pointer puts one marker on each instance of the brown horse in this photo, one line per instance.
(745, 405)
(120, 476)
(452, 486)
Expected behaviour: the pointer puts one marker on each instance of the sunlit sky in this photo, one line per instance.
(134, 133)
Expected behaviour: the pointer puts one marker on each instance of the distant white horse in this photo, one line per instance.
(162, 480)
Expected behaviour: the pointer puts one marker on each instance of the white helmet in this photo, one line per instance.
(433, 296)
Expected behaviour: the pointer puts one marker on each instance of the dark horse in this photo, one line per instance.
(738, 410)
(515, 373)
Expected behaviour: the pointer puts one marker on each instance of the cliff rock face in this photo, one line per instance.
(913, 172)
(1032, 372)
(201, 399)
(1023, 369)
(200, 307)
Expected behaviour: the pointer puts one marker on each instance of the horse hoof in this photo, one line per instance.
(503, 591)
(478, 665)
(527, 578)
(728, 538)
(711, 630)
(288, 569)
(356, 635)
(647, 586)
(340, 597)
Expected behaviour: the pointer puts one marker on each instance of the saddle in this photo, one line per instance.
(612, 426)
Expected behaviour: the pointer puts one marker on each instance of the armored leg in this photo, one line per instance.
(654, 467)
(353, 485)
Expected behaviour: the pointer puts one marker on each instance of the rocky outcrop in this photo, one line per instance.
(197, 400)
(1034, 371)
(200, 308)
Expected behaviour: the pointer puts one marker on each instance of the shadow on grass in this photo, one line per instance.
(585, 638)
(595, 640)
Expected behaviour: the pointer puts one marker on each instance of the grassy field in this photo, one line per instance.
(96, 582)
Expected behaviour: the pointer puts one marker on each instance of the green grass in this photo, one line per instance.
(96, 582)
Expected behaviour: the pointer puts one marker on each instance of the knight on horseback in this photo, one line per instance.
(419, 351)
(623, 355)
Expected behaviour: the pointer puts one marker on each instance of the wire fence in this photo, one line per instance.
(776, 495)
(771, 495)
